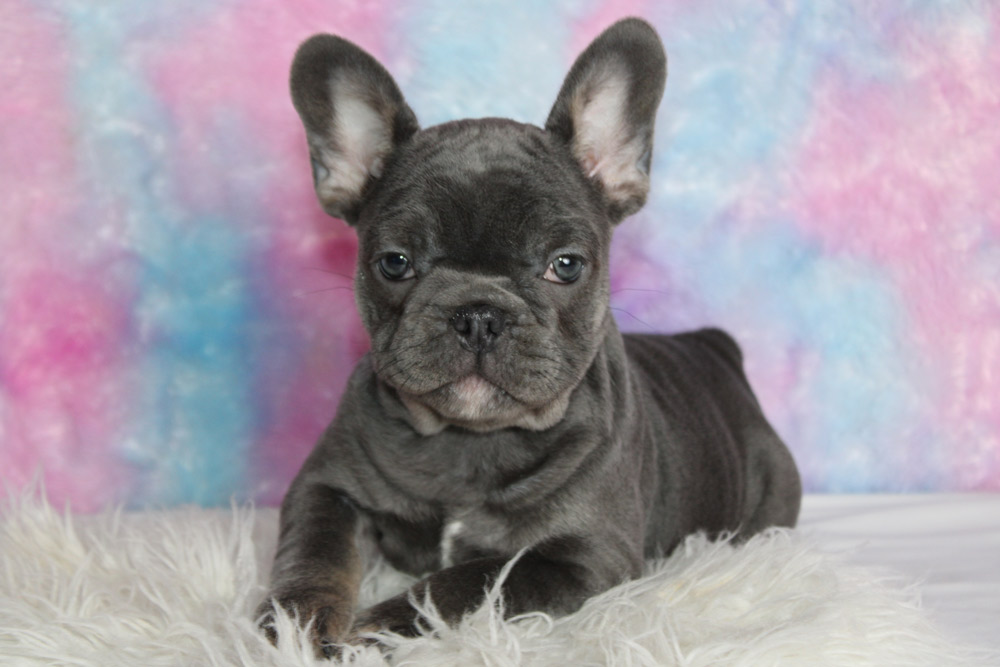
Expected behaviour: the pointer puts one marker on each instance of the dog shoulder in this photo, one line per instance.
(714, 342)
(720, 342)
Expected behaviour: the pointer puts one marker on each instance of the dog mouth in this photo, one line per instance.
(471, 398)
(475, 391)
(475, 403)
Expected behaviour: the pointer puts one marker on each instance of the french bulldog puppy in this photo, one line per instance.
(499, 408)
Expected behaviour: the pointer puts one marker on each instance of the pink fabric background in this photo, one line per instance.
(176, 318)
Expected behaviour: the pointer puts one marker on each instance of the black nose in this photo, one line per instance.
(479, 326)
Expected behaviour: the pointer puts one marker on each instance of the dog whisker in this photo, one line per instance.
(641, 289)
(326, 289)
(329, 272)
(643, 323)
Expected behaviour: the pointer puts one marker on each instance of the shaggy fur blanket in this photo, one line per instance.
(178, 588)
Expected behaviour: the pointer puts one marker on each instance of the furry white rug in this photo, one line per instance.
(178, 588)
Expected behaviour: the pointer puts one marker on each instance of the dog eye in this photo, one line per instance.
(395, 266)
(564, 269)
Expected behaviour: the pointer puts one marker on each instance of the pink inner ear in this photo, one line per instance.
(375, 168)
(601, 141)
(591, 165)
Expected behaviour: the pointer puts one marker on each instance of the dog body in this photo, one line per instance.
(500, 411)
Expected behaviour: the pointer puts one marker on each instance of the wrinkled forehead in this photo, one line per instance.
(489, 176)
(475, 146)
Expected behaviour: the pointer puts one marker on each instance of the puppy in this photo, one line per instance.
(499, 408)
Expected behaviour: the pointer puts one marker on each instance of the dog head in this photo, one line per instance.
(482, 273)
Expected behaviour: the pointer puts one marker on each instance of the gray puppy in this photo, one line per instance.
(500, 409)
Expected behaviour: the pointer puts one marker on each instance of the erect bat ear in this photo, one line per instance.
(354, 116)
(606, 110)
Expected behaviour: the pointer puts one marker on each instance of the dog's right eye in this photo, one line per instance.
(396, 266)
(564, 269)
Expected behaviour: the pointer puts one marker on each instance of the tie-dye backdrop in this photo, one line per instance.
(176, 315)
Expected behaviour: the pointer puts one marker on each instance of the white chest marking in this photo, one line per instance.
(448, 535)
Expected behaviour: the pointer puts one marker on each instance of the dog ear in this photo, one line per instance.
(606, 110)
(354, 117)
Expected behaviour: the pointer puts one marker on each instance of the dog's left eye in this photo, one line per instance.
(395, 266)
(564, 269)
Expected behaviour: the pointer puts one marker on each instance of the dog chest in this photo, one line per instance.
(449, 533)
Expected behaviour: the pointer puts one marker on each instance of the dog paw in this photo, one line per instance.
(396, 615)
(328, 618)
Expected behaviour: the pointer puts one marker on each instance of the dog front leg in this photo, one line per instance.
(547, 578)
(317, 568)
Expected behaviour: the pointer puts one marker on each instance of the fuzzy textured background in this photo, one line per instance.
(176, 318)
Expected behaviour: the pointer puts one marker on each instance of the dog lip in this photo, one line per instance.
(474, 402)
(475, 388)
(471, 385)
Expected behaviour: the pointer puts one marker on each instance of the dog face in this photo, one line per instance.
(482, 274)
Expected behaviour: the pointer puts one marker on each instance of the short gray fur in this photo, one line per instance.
(496, 400)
